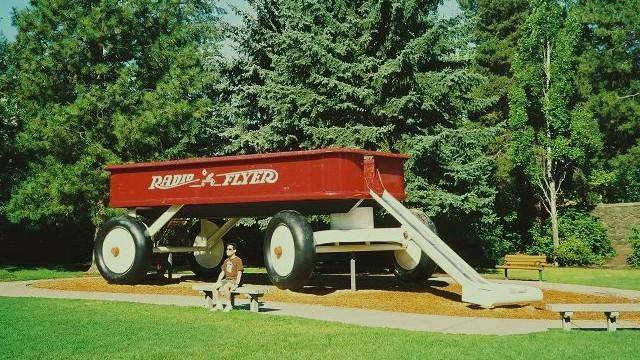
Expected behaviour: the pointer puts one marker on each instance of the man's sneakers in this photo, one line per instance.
(219, 306)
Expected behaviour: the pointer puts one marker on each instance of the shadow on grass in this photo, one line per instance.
(13, 268)
(487, 270)
(599, 329)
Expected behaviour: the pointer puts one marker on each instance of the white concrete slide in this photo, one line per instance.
(475, 288)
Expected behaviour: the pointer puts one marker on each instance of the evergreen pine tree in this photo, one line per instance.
(382, 75)
(102, 82)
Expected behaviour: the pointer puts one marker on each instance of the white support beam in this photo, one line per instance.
(178, 249)
(163, 219)
(370, 236)
(356, 205)
(357, 248)
(221, 232)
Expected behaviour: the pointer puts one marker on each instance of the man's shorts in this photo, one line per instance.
(225, 282)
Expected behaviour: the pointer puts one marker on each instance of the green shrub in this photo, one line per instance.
(542, 244)
(626, 167)
(574, 251)
(578, 228)
(634, 239)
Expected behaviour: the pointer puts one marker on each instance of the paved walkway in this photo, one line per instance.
(372, 318)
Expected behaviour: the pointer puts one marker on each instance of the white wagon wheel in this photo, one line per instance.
(206, 263)
(412, 265)
(289, 250)
(123, 250)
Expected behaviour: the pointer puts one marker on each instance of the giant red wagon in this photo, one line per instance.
(218, 191)
(316, 181)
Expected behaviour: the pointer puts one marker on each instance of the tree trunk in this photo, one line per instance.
(554, 214)
(552, 192)
(94, 268)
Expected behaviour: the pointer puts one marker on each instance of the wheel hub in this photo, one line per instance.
(118, 250)
(409, 258)
(210, 258)
(283, 250)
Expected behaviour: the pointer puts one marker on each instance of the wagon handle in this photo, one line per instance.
(370, 172)
(380, 178)
(371, 187)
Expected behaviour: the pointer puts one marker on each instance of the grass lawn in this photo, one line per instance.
(64, 329)
(20, 272)
(616, 278)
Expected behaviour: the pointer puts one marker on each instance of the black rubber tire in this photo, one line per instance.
(304, 250)
(143, 248)
(199, 270)
(425, 267)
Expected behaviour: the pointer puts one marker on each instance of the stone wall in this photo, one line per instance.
(618, 219)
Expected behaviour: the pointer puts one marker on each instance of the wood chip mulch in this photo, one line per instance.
(375, 292)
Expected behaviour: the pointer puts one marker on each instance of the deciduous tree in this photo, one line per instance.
(552, 135)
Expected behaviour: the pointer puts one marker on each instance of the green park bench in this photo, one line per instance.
(525, 262)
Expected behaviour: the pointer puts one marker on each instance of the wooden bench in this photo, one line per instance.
(526, 262)
(611, 312)
(252, 291)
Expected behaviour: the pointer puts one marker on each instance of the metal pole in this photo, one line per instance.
(353, 271)
(170, 266)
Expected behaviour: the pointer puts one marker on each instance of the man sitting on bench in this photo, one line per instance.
(229, 279)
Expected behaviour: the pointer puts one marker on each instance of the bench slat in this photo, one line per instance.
(245, 289)
(251, 290)
(525, 258)
(593, 307)
(519, 267)
(524, 264)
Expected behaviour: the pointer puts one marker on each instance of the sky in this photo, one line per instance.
(5, 16)
(448, 9)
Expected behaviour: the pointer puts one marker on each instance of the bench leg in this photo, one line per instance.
(208, 299)
(254, 305)
(566, 319)
(612, 319)
(539, 275)
(232, 299)
(506, 277)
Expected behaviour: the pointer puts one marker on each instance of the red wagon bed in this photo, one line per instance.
(316, 181)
